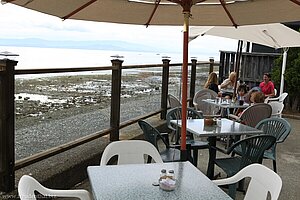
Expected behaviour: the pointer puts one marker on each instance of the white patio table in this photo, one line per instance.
(225, 105)
(227, 128)
(135, 181)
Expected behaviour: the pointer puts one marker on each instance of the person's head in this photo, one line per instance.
(232, 76)
(212, 78)
(266, 77)
(257, 97)
(242, 90)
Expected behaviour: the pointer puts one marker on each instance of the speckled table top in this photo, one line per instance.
(228, 127)
(129, 182)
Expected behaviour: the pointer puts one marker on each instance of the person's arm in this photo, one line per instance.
(225, 83)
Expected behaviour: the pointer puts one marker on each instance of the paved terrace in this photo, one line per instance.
(69, 168)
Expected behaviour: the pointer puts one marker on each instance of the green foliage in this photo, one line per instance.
(292, 74)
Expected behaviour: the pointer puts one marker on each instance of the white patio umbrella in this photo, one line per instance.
(169, 12)
(274, 35)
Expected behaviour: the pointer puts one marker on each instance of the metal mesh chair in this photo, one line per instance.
(206, 109)
(173, 101)
(254, 114)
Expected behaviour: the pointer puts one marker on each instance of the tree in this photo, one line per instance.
(292, 78)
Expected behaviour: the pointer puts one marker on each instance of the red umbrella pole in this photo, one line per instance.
(184, 155)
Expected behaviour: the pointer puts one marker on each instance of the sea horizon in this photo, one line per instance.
(47, 58)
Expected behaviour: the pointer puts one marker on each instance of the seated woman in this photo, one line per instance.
(212, 82)
(267, 86)
(257, 97)
(228, 84)
(248, 95)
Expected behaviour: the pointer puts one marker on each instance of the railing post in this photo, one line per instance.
(165, 88)
(211, 65)
(7, 125)
(115, 98)
(221, 67)
(193, 81)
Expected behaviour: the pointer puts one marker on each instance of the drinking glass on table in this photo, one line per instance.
(241, 100)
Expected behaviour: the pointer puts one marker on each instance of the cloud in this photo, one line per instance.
(17, 22)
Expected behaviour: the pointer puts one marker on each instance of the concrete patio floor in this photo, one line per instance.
(288, 164)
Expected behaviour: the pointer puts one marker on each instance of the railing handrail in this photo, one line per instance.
(10, 72)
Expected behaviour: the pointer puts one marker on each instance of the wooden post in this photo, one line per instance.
(211, 65)
(7, 125)
(165, 88)
(221, 67)
(193, 81)
(115, 98)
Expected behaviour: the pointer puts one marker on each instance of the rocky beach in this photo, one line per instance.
(53, 110)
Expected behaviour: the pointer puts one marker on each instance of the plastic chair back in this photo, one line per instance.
(281, 98)
(175, 114)
(151, 134)
(199, 105)
(173, 101)
(130, 152)
(277, 127)
(28, 185)
(277, 108)
(252, 148)
(263, 181)
(255, 113)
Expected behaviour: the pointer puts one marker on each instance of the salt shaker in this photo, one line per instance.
(163, 174)
(171, 174)
(219, 122)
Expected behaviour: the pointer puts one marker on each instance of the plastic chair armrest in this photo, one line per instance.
(221, 150)
(234, 117)
(227, 181)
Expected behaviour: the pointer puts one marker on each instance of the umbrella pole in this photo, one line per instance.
(283, 70)
(184, 154)
(237, 66)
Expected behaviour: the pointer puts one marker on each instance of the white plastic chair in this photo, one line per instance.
(281, 98)
(28, 185)
(130, 152)
(263, 181)
(277, 108)
(173, 101)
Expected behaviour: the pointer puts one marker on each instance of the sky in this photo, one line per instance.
(19, 23)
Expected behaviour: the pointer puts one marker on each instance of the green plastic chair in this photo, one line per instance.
(151, 134)
(195, 145)
(252, 151)
(280, 129)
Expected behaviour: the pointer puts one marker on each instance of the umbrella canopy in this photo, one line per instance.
(274, 35)
(169, 12)
(204, 12)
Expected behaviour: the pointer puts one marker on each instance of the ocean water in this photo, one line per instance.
(41, 58)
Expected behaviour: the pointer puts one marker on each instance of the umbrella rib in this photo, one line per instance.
(78, 9)
(295, 1)
(157, 2)
(228, 13)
